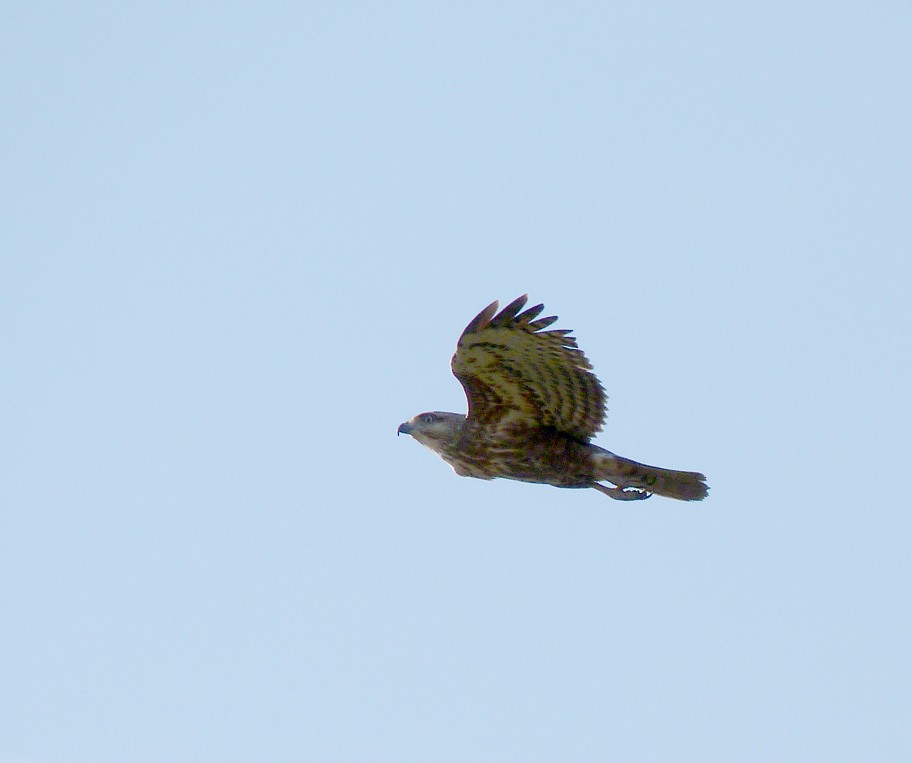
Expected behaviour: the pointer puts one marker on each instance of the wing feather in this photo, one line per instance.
(517, 375)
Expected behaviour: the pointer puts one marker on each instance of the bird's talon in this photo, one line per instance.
(623, 493)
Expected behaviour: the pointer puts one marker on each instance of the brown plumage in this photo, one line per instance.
(534, 404)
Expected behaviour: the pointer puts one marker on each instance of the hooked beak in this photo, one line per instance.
(405, 428)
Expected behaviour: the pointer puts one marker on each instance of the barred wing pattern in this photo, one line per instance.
(517, 375)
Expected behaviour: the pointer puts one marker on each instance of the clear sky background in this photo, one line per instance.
(239, 242)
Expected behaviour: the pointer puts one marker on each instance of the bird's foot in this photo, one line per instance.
(623, 493)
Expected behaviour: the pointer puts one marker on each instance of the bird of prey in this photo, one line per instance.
(534, 405)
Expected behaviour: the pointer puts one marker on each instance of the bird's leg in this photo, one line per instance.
(621, 493)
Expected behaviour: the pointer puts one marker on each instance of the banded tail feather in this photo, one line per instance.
(645, 479)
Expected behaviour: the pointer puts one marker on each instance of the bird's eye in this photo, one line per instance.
(428, 418)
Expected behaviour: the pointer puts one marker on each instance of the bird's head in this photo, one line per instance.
(434, 429)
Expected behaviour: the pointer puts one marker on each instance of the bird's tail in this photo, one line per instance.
(685, 486)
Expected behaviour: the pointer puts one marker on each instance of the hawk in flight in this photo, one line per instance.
(534, 405)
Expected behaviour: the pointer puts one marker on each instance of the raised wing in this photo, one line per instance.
(517, 374)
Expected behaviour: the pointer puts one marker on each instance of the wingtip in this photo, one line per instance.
(515, 306)
(509, 313)
(483, 318)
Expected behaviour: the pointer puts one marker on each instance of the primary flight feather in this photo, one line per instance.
(534, 405)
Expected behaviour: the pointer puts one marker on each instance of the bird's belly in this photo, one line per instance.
(567, 466)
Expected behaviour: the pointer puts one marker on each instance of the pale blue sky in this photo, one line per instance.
(239, 243)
